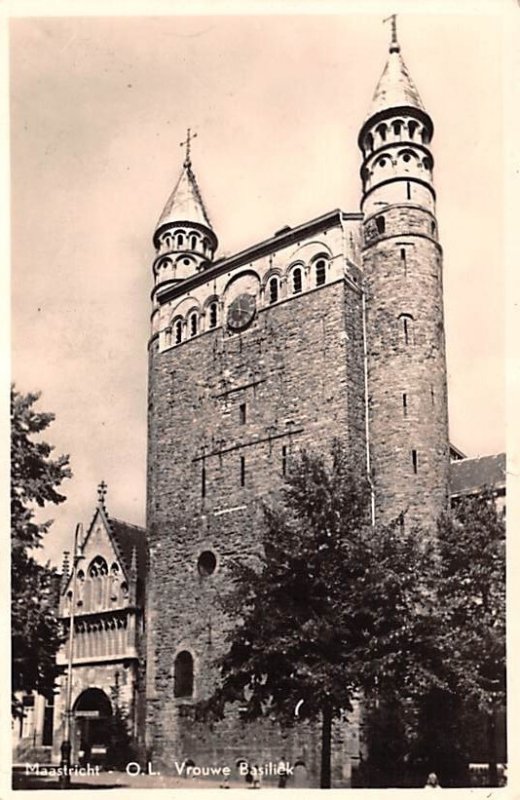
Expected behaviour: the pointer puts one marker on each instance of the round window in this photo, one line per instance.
(207, 563)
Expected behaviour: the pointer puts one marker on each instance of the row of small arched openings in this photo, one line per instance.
(407, 158)
(397, 130)
(186, 327)
(183, 240)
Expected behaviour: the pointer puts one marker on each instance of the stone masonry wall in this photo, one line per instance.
(299, 371)
(407, 368)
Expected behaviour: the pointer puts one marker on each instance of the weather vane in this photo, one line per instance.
(187, 145)
(394, 44)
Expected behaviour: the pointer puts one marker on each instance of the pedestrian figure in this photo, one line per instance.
(432, 782)
(282, 773)
(249, 775)
(256, 777)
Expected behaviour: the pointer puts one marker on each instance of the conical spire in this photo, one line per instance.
(396, 88)
(185, 203)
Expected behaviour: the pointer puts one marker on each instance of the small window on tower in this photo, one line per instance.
(273, 290)
(380, 224)
(284, 460)
(180, 240)
(381, 130)
(397, 125)
(193, 242)
(213, 313)
(193, 324)
(203, 481)
(433, 228)
(242, 412)
(321, 272)
(370, 143)
(412, 127)
(297, 280)
(183, 675)
(405, 405)
(425, 137)
(178, 331)
(406, 321)
(242, 471)
(414, 461)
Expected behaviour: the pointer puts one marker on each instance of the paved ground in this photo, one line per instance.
(120, 780)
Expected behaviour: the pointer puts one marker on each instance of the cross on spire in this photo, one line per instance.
(102, 492)
(187, 145)
(394, 44)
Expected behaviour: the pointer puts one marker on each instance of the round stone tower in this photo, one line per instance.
(402, 261)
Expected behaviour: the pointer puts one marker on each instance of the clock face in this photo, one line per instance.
(241, 312)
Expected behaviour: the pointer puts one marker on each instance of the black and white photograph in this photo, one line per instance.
(258, 396)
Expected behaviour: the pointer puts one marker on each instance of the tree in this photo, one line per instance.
(34, 478)
(471, 607)
(332, 606)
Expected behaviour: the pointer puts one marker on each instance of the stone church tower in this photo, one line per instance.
(330, 328)
(402, 269)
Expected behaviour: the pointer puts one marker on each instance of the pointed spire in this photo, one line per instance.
(395, 88)
(185, 203)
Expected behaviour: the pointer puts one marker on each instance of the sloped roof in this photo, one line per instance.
(185, 203)
(127, 537)
(471, 475)
(395, 88)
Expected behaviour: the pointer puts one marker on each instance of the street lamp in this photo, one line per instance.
(66, 746)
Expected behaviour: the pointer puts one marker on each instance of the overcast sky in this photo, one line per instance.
(98, 109)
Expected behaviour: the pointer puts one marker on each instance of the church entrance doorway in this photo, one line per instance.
(92, 713)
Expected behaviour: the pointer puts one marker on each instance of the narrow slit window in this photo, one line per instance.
(405, 405)
(432, 395)
(273, 291)
(284, 460)
(243, 413)
(203, 481)
(401, 522)
(297, 280)
(321, 272)
(193, 242)
(242, 471)
(408, 191)
(180, 240)
(380, 224)
(414, 461)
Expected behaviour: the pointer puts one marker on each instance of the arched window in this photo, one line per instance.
(425, 136)
(297, 280)
(370, 143)
(98, 567)
(180, 240)
(406, 321)
(273, 290)
(167, 240)
(381, 130)
(397, 125)
(213, 315)
(178, 331)
(183, 675)
(380, 224)
(193, 324)
(321, 272)
(412, 127)
(193, 242)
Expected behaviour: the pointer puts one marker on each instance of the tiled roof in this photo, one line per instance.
(470, 475)
(127, 537)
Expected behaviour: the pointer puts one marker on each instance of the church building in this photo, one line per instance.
(331, 328)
